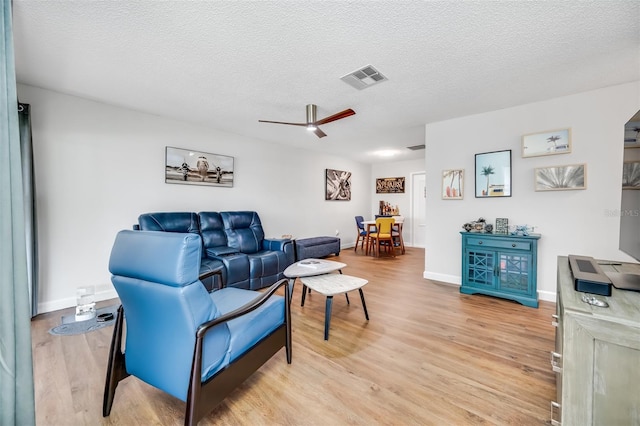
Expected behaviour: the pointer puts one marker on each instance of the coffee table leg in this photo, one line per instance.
(327, 317)
(304, 294)
(364, 305)
(347, 296)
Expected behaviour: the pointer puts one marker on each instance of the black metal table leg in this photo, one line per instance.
(304, 294)
(327, 317)
(364, 305)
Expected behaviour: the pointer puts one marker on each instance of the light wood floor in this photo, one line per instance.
(428, 356)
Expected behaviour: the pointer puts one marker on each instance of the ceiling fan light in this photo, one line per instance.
(311, 127)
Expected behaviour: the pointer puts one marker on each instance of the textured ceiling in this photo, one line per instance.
(227, 64)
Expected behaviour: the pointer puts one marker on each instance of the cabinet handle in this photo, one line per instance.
(555, 320)
(555, 407)
(513, 245)
(480, 243)
(555, 365)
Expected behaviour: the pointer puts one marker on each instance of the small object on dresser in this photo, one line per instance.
(502, 225)
(488, 228)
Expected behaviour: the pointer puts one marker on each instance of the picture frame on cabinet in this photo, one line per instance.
(502, 225)
(493, 174)
(550, 142)
(189, 167)
(561, 178)
(453, 184)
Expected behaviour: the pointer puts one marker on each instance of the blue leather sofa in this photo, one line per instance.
(234, 253)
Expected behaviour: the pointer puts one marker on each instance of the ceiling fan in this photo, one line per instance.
(313, 123)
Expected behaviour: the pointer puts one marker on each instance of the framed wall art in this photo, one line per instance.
(546, 143)
(493, 174)
(561, 178)
(631, 175)
(632, 133)
(453, 184)
(184, 166)
(337, 185)
(392, 185)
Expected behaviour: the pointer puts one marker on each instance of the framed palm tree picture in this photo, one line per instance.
(561, 178)
(546, 143)
(453, 184)
(493, 174)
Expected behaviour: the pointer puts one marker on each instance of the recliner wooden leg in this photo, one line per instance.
(116, 368)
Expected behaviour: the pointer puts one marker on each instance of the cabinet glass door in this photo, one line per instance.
(514, 272)
(481, 268)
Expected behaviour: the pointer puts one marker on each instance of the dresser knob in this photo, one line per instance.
(480, 243)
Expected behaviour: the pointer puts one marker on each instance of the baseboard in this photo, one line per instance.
(548, 296)
(445, 278)
(69, 302)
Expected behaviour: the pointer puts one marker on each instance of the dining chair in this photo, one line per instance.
(362, 233)
(396, 232)
(383, 235)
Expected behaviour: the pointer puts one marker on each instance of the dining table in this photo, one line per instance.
(370, 225)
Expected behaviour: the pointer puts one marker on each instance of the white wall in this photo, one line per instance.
(571, 222)
(403, 201)
(98, 167)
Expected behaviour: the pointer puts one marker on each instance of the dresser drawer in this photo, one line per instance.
(500, 244)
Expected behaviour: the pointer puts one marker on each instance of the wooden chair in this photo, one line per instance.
(362, 234)
(396, 233)
(383, 236)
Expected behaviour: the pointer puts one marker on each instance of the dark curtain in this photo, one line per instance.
(30, 223)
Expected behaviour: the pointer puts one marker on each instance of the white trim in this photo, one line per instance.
(451, 279)
(56, 305)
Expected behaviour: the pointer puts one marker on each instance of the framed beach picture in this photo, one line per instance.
(453, 184)
(493, 174)
(561, 178)
(185, 166)
(546, 143)
(337, 185)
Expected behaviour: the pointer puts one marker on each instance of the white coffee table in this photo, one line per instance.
(330, 285)
(309, 268)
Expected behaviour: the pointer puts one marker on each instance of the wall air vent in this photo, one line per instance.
(416, 147)
(364, 77)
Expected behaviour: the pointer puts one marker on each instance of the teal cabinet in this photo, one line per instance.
(500, 265)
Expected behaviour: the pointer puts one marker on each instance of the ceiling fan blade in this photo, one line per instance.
(343, 114)
(283, 122)
(319, 133)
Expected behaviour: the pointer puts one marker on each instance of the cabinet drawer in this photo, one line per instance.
(501, 244)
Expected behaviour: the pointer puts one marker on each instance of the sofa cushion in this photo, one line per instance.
(169, 222)
(244, 231)
(212, 230)
(248, 329)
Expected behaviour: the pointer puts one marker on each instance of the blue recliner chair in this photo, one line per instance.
(195, 345)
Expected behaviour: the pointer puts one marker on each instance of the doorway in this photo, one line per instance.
(418, 209)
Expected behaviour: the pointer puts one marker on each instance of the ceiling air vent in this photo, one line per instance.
(416, 147)
(364, 77)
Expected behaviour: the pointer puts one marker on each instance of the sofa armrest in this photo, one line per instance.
(220, 251)
(278, 244)
(254, 304)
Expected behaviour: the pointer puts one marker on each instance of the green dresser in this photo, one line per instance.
(501, 265)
